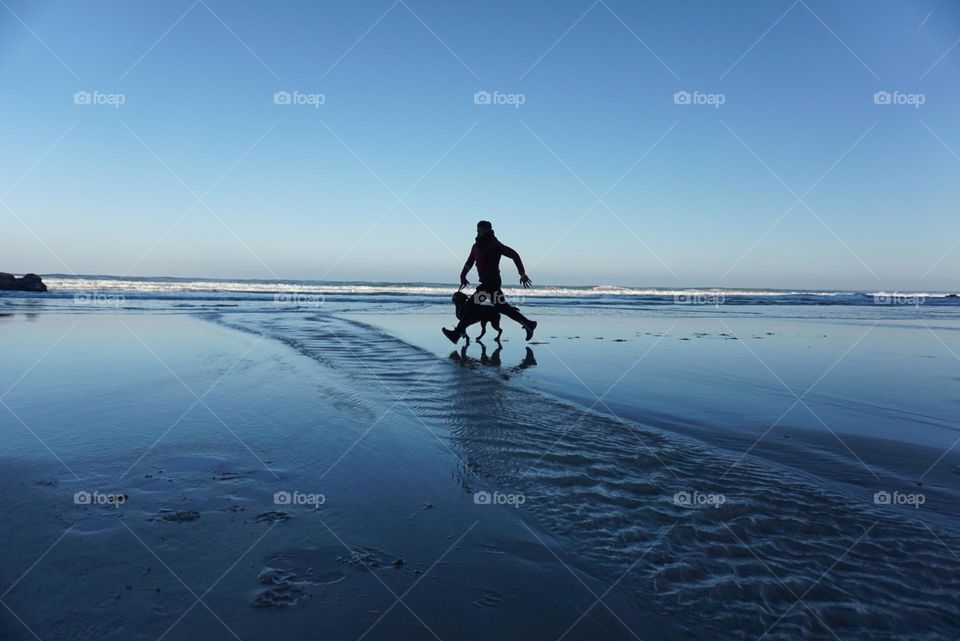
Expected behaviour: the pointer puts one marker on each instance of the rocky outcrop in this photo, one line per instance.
(29, 283)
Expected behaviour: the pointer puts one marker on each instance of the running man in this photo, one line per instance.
(486, 253)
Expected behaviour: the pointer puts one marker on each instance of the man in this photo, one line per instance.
(486, 253)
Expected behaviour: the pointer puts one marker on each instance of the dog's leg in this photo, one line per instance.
(496, 326)
(483, 329)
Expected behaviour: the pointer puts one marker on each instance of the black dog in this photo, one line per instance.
(477, 313)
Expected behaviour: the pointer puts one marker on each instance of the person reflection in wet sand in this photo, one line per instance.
(528, 360)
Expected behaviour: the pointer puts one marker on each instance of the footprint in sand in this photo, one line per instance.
(178, 516)
(287, 586)
(489, 599)
(273, 516)
(227, 476)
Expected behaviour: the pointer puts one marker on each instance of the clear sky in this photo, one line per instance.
(584, 161)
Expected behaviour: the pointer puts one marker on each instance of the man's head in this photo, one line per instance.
(484, 227)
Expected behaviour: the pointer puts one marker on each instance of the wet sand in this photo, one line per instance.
(398, 438)
(859, 405)
(200, 548)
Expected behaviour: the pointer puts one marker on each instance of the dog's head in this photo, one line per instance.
(459, 301)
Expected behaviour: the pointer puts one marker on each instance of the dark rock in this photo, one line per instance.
(29, 283)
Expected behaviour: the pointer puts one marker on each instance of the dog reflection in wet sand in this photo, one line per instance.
(492, 360)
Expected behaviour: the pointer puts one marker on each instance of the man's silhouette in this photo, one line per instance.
(486, 253)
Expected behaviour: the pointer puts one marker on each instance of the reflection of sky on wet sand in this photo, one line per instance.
(734, 381)
(109, 403)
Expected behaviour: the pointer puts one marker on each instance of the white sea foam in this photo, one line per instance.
(174, 286)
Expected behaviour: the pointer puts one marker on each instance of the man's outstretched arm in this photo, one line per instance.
(513, 255)
(467, 266)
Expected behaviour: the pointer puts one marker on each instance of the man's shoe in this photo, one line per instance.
(532, 326)
(453, 335)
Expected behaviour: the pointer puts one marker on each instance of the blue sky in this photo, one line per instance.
(798, 179)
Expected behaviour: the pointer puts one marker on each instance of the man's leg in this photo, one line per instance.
(509, 310)
(500, 302)
(493, 292)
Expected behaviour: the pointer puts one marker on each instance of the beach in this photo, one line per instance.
(185, 465)
(509, 321)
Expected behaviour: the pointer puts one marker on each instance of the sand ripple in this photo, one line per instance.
(781, 558)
